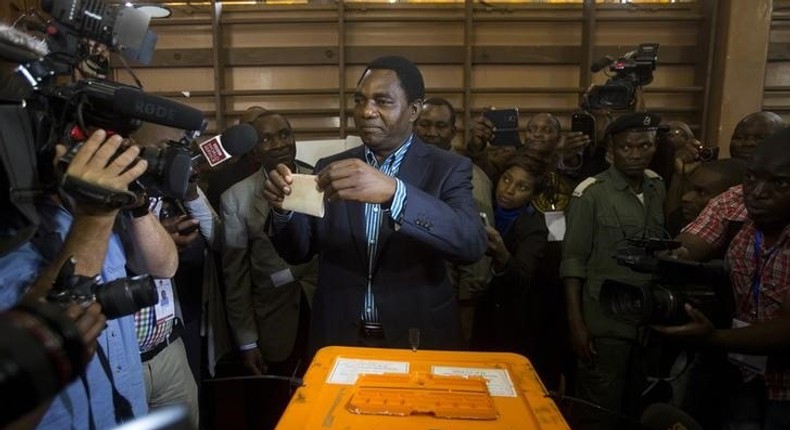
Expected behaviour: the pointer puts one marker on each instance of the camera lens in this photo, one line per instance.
(126, 296)
(626, 302)
(41, 351)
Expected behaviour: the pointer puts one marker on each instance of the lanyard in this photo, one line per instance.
(758, 270)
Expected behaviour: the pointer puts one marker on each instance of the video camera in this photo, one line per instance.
(38, 110)
(706, 286)
(632, 70)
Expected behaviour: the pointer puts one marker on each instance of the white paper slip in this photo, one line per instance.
(305, 197)
(282, 277)
(498, 380)
(555, 221)
(346, 370)
(756, 364)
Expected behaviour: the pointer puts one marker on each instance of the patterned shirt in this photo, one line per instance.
(390, 167)
(760, 275)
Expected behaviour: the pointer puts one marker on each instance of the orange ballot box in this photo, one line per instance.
(386, 389)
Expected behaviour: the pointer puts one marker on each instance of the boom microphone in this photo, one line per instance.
(159, 110)
(600, 63)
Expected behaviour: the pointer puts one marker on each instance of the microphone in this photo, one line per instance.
(19, 47)
(146, 107)
(234, 141)
(600, 63)
(662, 416)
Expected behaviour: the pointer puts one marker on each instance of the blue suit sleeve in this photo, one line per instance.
(450, 222)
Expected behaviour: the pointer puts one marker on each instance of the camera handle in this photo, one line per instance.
(85, 192)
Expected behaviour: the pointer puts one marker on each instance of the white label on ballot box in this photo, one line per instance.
(346, 370)
(498, 380)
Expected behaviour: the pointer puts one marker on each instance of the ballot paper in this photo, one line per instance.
(305, 197)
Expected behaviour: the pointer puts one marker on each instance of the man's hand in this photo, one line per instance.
(253, 361)
(278, 185)
(95, 163)
(582, 342)
(356, 180)
(482, 133)
(572, 143)
(687, 157)
(90, 322)
(178, 224)
(699, 327)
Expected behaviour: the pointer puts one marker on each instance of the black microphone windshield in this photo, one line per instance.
(600, 63)
(239, 139)
(662, 416)
(159, 110)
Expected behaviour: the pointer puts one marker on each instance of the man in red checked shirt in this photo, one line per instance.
(757, 218)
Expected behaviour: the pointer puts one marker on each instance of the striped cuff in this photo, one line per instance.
(398, 201)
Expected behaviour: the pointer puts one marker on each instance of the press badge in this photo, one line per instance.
(164, 310)
(753, 363)
(282, 277)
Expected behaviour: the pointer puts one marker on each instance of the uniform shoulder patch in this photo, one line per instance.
(583, 185)
(652, 175)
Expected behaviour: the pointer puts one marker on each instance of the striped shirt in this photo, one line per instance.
(373, 217)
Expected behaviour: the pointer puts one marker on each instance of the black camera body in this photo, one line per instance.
(631, 71)
(706, 286)
(118, 298)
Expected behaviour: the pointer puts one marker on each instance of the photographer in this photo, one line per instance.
(759, 255)
(84, 231)
(625, 201)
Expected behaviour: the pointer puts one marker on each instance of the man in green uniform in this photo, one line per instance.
(625, 201)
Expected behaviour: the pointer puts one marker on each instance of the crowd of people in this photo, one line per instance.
(475, 247)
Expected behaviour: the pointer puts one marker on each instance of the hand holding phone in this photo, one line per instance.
(505, 123)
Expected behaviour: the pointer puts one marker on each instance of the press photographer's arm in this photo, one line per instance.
(88, 237)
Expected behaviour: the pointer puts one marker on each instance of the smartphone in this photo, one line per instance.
(585, 123)
(506, 126)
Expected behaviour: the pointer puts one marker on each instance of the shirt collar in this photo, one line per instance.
(620, 182)
(399, 153)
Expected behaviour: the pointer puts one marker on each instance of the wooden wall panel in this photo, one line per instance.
(287, 58)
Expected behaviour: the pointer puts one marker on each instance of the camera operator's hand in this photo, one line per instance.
(277, 186)
(699, 327)
(95, 163)
(90, 321)
(253, 361)
(482, 133)
(581, 342)
(183, 230)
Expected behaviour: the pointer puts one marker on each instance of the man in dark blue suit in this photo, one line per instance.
(396, 211)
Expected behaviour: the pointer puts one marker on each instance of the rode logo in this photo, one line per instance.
(154, 110)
